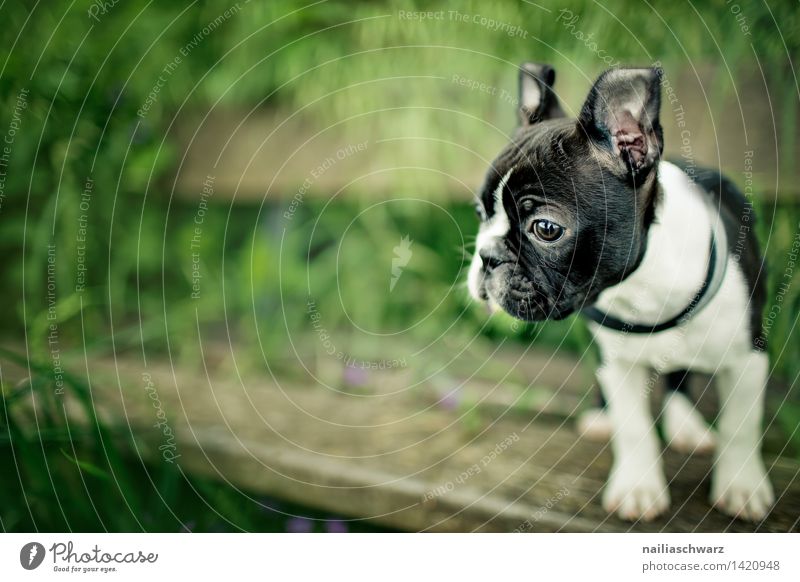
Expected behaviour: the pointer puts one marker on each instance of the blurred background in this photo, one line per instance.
(255, 218)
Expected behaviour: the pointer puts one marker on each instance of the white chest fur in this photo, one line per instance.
(671, 272)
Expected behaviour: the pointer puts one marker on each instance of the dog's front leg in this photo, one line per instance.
(740, 486)
(636, 488)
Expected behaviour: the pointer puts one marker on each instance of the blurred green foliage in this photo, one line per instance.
(84, 73)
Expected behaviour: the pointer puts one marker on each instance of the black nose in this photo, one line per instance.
(489, 260)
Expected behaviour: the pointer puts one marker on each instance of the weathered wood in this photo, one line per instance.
(269, 154)
(395, 458)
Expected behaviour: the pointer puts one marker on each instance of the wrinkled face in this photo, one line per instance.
(565, 207)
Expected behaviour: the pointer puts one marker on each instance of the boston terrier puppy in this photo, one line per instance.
(583, 216)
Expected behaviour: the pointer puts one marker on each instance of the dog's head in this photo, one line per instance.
(565, 207)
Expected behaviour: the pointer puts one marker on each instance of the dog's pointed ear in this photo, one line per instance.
(537, 101)
(621, 115)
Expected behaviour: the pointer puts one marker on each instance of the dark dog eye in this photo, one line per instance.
(547, 230)
(480, 211)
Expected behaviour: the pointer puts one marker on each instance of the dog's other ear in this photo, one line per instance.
(537, 101)
(621, 115)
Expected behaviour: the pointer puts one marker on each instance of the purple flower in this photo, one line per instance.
(299, 525)
(336, 526)
(355, 376)
(451, 400)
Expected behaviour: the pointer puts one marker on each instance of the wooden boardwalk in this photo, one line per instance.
(501, 460)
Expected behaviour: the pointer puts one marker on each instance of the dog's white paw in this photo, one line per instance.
(740, 487)
(684, 428)
(595, 425)
(635, 491)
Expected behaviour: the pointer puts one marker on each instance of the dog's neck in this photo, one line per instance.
(675, 260)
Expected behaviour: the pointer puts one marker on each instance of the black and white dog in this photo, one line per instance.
(584, 216)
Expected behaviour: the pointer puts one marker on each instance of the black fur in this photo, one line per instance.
(678, 381)
(594, 176)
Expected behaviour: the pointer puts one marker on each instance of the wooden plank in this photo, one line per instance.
(394, 458)
(278, 154)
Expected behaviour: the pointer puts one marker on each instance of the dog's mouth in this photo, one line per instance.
(505, 287)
